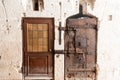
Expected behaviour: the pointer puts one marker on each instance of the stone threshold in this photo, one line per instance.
(38, 78)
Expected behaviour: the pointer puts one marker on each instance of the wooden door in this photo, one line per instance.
(38, 44)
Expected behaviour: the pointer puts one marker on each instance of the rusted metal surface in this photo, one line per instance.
(80, 48)
(80, 70)
(82, 21)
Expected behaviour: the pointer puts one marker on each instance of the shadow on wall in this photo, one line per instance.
(81, 14)
(88, 2)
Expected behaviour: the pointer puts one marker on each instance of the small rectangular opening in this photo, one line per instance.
(38, 5)
(35, 5)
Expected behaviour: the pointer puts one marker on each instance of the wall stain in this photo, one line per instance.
(6, 16)
(83, 3)
(41, 5)
(91, 3)
(8, 27)
(3, 3)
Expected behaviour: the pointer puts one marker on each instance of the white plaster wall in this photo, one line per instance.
(12, 11)
(59, 67)
(10, 39)
(108, 58)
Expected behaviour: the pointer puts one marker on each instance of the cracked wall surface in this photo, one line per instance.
(12, 11)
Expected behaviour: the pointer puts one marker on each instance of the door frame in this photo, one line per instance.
(24, 41)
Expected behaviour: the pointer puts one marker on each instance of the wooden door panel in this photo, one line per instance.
(38, 46)
(38, 65)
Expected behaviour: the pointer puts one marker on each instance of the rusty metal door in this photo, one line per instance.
(80, 48)
(38, 46)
